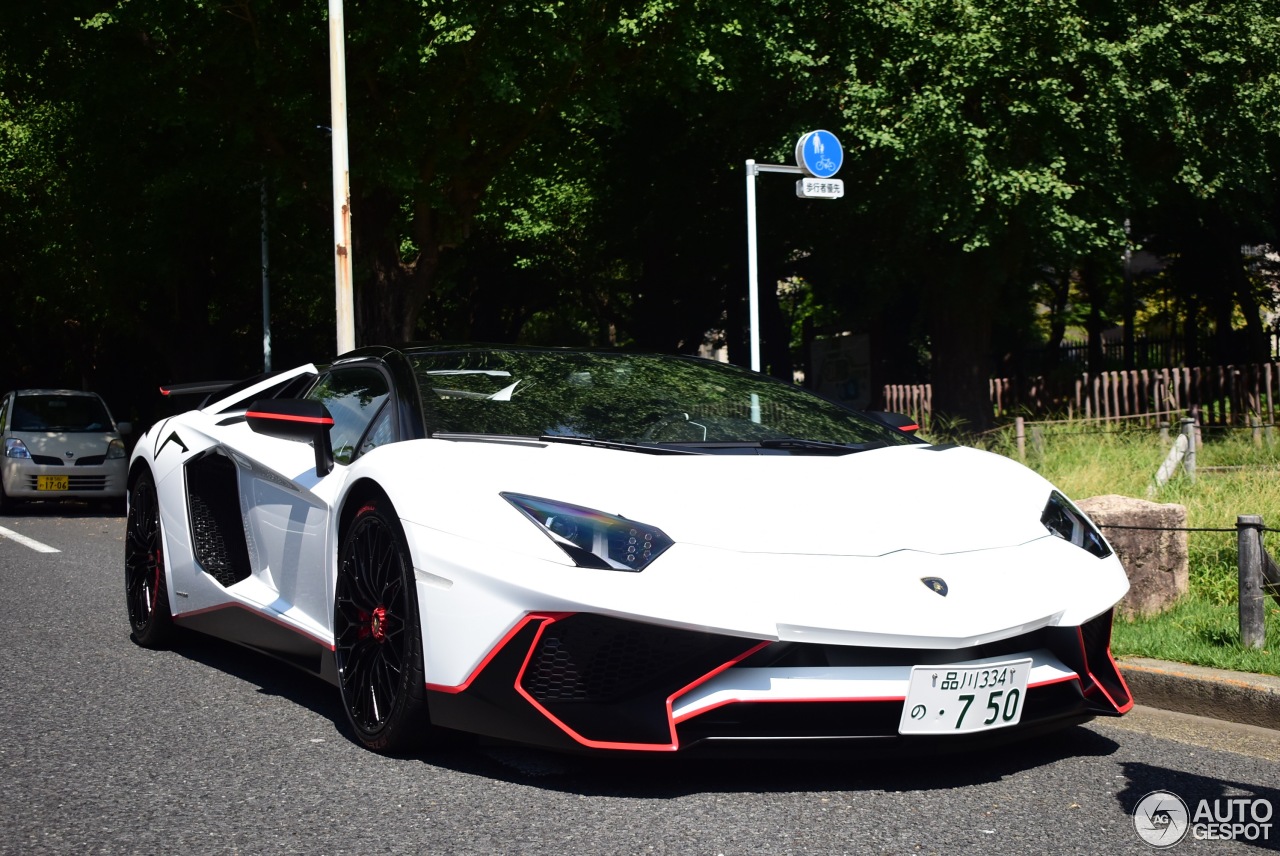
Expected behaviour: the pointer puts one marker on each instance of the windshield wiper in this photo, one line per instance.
(523, 439)
(820, 445)
(614, 444)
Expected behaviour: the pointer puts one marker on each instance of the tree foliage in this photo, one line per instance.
(572, 173)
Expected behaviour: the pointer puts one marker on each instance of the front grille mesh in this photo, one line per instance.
(591, 658)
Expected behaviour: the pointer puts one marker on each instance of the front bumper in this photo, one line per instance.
(580, 681)
(100, 479)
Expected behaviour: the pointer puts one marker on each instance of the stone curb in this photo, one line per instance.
(1233, 696)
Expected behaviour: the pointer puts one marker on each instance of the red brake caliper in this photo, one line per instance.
(375, 626)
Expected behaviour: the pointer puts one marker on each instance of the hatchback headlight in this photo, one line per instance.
(15, 448)
(115, 449)
(592, 538)
(1069, 523)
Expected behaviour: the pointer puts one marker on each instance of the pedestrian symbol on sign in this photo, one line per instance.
(819, 153)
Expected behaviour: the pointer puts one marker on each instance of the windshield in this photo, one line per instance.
(626, 398)
(70, 413)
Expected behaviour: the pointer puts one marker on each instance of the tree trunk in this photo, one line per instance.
(390, 296)
(961, 324)
(775, 336)
(1061, 288)
(1091, 284)
(1256, 348)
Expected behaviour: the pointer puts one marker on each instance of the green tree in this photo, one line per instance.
(992, 130)
(136, 141)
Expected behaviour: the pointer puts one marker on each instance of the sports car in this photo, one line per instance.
(616, 552)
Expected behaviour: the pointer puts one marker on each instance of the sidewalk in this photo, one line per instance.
(1233, 696)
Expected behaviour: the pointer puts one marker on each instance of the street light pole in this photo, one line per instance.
(753, 276)
(341, 180)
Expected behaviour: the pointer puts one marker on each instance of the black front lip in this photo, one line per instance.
(611, 704)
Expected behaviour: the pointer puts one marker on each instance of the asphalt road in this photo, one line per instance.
(109, 748)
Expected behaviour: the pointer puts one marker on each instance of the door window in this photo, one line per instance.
(354, 396)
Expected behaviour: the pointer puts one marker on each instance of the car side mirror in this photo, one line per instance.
(297, 419)
(124, 428)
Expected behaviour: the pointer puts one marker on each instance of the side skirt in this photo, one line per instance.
(243, 626)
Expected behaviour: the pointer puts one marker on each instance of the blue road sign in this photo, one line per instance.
(819, 154)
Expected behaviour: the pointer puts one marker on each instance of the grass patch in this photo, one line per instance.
(1201, 632)
(1203, 628)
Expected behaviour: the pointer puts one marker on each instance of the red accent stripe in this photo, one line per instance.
(833, 700)
(323, 643)
(1085, 654)
(1123, 683)
(672, 746)
(837, 699)
(493, 652)
(547, 619)
(280, 417)
(908, 428)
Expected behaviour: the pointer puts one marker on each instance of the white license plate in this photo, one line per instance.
(962, 699)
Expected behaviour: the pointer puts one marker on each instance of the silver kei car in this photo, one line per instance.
(60, 444)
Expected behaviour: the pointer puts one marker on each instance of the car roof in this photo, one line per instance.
(79, 392)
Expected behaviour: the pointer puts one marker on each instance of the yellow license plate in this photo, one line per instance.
(53, 483)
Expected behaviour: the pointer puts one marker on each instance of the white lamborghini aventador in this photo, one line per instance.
(619, 552)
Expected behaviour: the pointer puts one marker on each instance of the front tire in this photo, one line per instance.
(146, 590)
(377, 640)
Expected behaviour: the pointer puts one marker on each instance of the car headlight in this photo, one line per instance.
(15, 448)
(1067, 522)
(592, 538)
(115, 449)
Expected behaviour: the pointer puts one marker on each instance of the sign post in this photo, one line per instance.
(820, 157)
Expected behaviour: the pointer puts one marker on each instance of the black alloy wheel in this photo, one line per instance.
(146, 591)
(377, 643)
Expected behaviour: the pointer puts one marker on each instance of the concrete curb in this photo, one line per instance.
(1233, 696)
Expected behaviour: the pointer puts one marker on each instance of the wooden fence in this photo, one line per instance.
(1218, 395)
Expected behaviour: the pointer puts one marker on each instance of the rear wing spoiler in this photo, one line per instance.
(202, 388)
(225, 393)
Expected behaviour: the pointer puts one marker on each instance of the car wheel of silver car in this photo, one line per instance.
(377, 642)
(146, 591)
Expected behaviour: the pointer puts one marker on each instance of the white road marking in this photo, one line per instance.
(27, 542)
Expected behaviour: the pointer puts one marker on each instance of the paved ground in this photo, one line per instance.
(109, 748)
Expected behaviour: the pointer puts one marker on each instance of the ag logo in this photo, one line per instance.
(1161, 818)
(936, 584)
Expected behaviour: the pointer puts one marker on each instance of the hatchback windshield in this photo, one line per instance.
(70, 413)
(626, 398)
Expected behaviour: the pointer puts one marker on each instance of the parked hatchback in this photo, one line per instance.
(60, 444)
